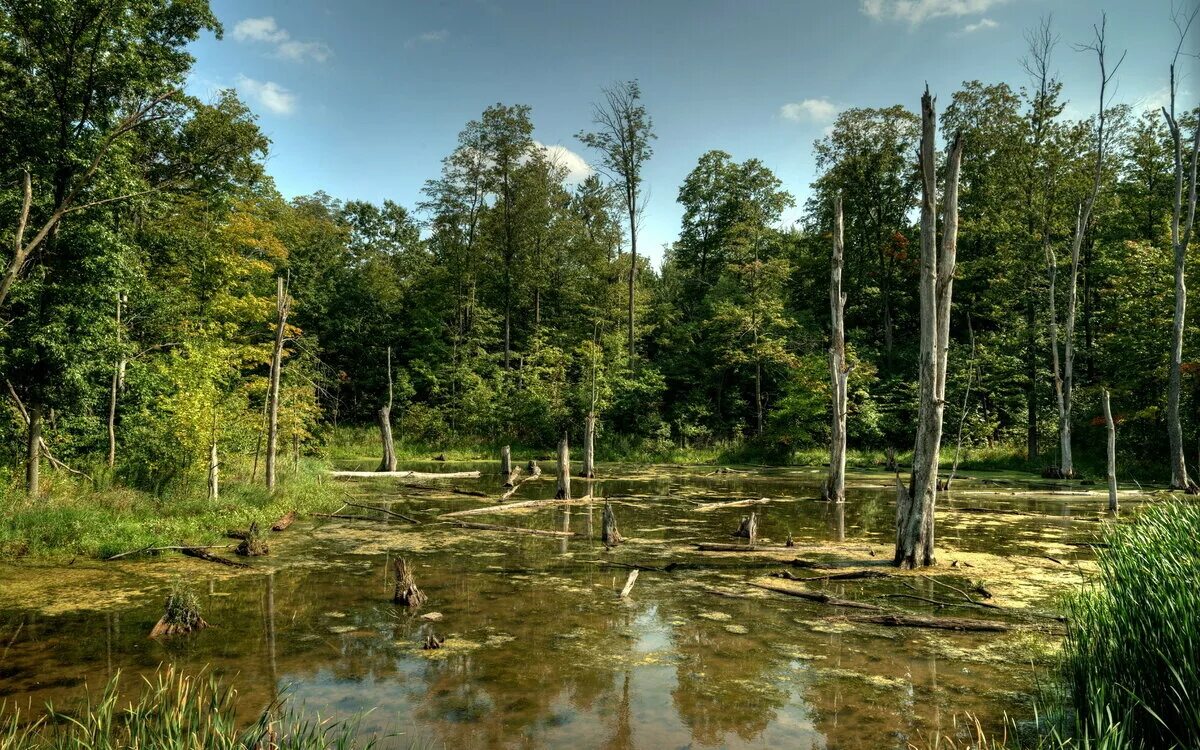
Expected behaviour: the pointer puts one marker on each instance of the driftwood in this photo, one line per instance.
(513, 529)
(200, 554)
(449, 490)
(406, 592)
(286, 520)
(401, 516)
(174, 547)
(815, 596)
(609, 534)
(511, 476)
(850, 575)
(523, 504)
(703, 507)
(938, 623)
(404, 474)
(748, 528)
(632, 579)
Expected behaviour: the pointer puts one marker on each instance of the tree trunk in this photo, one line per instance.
(214, 479)
(632, 271)
(388, 462)
(118, 382)
(609, 534)
(589, 447)
(915, 508)
(1112, 452)
(835, 487)
(1031, 355)
(281, 309)
(505, 461)
(33, 446)
(564, 470)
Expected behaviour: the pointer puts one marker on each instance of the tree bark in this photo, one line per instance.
(388, 462)
(589, 448)
(506, 461)
(915, 507)
(564, 470)
(609, 534)
(835, 486)
(1112, 452)
(33, 447)
(214, 478)
(118, 383)
(281, 309)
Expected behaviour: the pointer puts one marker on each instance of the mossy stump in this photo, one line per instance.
(181, 615)
(407, 592)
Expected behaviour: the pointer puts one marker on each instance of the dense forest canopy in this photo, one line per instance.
(145, 238)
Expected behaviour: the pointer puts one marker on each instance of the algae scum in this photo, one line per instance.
(541, 652)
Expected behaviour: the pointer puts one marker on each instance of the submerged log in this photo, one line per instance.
(171, 547)
(629, 581)
(815, 596)
(609, 534)
(743, 548)
(521, 505)
(513, 529)
(406, 593)
(286, 520)
(897, 620)
(200, 554)
(404, 474)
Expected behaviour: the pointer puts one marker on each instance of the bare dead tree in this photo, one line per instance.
(839, 372)
(118, 384)
(282, 305)
(1112, 452)
(915, 506)
(388, 462)
(1183, 215)
(622, 136)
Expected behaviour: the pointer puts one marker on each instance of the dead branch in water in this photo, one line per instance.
(175, 547)
(200, 554)
(632, 579)
(523, 504)
(383, 510)
(404, 474)
(896, 620)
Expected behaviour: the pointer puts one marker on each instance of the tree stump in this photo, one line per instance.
(181, 615)
(564, 470)
(748, 528)
(890, 462)
(432, 642)
(407, 592)
(608, 528)
(254, 544)
(506, 461)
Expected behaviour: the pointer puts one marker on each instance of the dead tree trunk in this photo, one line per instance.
(748, 528)
(506, 462)
(914, 508)
(33, 446)
(835, 486)
(281, 310)
(118, 383)
(589, 449)
(214, 479)
(1112, 452)
(406, 592)
(564, 470)
(1183, 214)
(608, 527)
(388, 462)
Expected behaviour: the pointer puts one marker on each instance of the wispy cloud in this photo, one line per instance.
(428, 37)
(268, 94)
(980, 25)
(916, 12)
(577, 167)
(266, 31)
(814, 111)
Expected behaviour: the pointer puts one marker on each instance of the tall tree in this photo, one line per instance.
(622, 136)
(839, 371)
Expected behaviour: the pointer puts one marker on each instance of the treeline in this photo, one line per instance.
(138, 303)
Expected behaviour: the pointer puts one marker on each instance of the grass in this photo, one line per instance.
(173, 712)
(77, 518)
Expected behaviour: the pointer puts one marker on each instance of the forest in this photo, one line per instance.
(175, 332)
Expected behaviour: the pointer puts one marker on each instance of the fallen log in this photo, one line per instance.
(286, 520)
(704, 507)
(535, 472)
(741, 547)
(522, 504)
(511, 478)
(815, 596)
(401, 516)
(513, 529)
(200, 554)
(632, 579)
(404, 474)
(174, 547)
(938, 623)
(850, 575)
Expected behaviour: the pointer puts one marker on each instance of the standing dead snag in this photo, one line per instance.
(835, 486)
(914, 506)
(608, 527)
(506, 468)
(388, 462)
(407, 592)
(214, 471)
(282, 303)
(564, 470)
(589, 447)
(1112, 452)
(1183, 215)
(748, 528)
(118, 384)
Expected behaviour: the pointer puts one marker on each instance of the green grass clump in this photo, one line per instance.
(1133, 635)
(174, 711)
(182, 608)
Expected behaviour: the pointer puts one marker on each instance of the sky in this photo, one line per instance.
(363, 99)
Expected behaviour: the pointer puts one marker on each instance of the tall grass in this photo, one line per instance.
(174, 711)
(1133, 638)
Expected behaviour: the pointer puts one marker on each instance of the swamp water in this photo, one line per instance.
(541, 652)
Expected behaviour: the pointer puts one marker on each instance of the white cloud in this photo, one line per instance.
(267, 31)
(915, 12)
(577, 167)
(810, 111)
(268, 94)
(980, 25)
(428, 37)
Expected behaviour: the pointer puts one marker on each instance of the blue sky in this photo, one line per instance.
(363, 99)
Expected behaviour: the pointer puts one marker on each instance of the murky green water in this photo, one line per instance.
(541, 652)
